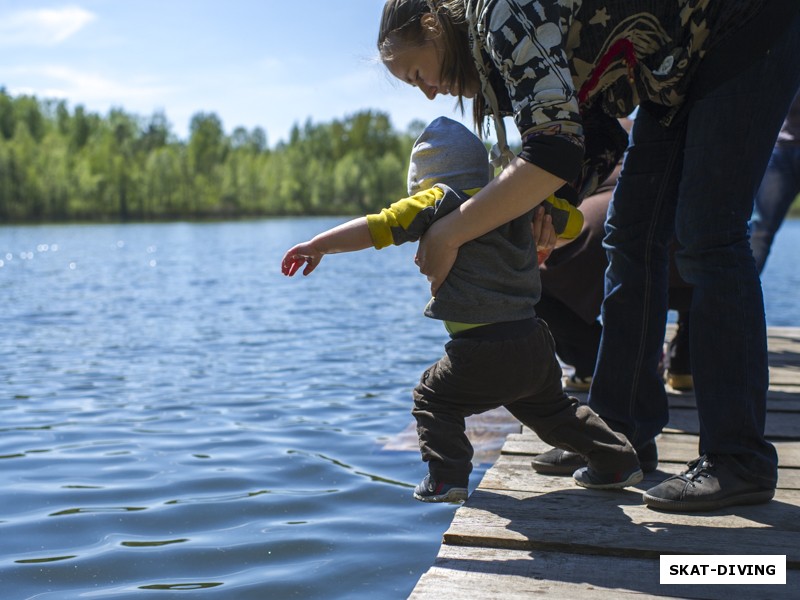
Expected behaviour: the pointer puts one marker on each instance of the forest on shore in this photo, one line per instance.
(63, 165)
(59, 164)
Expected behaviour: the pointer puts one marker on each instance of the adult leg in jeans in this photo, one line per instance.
(728, 333)
(627, 389)
(704, 182)
(778, 189)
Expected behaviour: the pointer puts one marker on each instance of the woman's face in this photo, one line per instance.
(421, 66)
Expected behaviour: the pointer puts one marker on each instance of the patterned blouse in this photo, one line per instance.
(554, 64)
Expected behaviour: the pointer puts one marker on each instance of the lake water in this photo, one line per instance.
(781, 277)
(177, 418)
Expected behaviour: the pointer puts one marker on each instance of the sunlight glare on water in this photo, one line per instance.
(177, 415)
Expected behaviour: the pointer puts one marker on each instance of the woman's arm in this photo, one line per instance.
(517, 189)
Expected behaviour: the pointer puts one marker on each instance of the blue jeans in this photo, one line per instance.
(779, 188)
(696, 180)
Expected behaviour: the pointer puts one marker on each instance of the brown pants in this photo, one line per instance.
(512, 365)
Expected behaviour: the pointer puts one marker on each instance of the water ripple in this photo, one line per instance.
(208, 425)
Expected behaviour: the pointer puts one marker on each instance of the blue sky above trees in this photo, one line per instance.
(255, 63)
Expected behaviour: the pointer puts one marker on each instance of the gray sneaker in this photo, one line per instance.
(564, 462)
(708, 484)
(589, 478)
(558, 462)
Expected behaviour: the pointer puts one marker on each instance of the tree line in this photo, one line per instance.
(58, 164)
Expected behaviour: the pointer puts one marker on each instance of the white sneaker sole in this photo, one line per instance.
(453, 495)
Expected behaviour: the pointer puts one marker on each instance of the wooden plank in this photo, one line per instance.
(672, 448)
(783, 393)
(501, 574)
(780, 398)
(784, 377)
(784, 398)
(789, 333)
(512, 472)
(779, 425)
(522, 534)
(606, 523)
(783, 339)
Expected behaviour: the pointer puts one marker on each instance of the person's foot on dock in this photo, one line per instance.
(708, 484)
(558, 462)
(429, 490)
(565, 462)
(589, 478)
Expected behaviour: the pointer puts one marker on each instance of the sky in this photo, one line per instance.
(265, 63)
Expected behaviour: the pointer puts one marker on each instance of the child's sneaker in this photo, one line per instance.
(589, 478)
(430, 491)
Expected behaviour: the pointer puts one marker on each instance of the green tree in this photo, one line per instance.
(81, 129)
(6, 115)
(156, 134)
(208, 146)
(28, 111)
(27, 201)
(59, 164)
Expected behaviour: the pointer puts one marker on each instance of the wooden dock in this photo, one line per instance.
(524, 535)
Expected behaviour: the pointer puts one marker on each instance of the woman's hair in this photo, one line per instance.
(401, 28)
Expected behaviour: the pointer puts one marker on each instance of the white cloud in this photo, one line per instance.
(92, 87)
(42, 27)
(98, 93)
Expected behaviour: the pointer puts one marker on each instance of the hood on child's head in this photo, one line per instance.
(449, 153)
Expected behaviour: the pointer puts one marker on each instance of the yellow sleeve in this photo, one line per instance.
(567, 219)
(405, 220)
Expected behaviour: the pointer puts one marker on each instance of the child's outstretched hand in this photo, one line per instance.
(302, 254)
